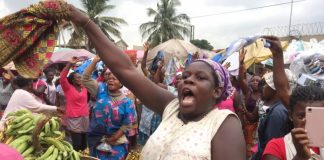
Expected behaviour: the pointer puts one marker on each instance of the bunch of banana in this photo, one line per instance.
(60, 150)
(19, 123)
(20, 126)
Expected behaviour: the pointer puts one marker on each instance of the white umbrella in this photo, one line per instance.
(171, 48)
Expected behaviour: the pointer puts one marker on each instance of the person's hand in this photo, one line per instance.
(227, 65)
(74, 60)
(60, 111)
(96, 59)
(160, 64)
(242, 54)
(301, 143)
(146, 46)
(111, 140)
(77, 17)
(275, 44)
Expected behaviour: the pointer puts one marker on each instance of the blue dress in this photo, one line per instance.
(107, 118)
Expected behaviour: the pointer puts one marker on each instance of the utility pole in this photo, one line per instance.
(291, 10)
(192, 32)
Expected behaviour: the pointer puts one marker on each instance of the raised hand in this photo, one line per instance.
(275, 44)
(301, 143)
(227, 65)
(74, 60)
(242, 54)
(77, 17)
(96, 59)
(146, 46)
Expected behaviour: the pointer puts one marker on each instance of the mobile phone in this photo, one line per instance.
(314, 126)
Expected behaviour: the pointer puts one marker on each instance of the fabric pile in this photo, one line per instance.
(28, 37)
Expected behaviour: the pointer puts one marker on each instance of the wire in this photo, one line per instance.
(248, 9)
(235, 11)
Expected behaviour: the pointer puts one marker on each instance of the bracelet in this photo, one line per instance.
(87, 23)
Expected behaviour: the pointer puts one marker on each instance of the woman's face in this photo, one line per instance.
(178, 79)
(267, 91)
(197, 92)
(254, 82)
(50, 76)
(299, 112)
(113, 83)
(105, 77)
(77, 79)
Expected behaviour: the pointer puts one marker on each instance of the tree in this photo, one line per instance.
(166, 24)
(109, 25)
(203, 44)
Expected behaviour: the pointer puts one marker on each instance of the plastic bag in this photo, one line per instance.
(104, 146)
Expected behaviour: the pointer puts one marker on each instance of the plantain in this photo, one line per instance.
(47, 128)
(20, 140)
(17, 125)
(28, 151)
(54, 142)
(22, 147)
(47, 154)
(29, 130)
(54, 154)
(9, 140)
(18, 113)
(76, 155)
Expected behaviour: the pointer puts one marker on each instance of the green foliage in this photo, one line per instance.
(203, 44)
(95, 10)
(166, 23)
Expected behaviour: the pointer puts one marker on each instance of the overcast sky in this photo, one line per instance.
(219, 30)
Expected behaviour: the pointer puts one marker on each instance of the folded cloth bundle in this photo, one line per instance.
(28, 37)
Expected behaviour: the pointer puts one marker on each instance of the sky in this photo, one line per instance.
(219, 29)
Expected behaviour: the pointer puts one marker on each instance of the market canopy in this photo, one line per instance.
(256, 52)
(173, 48)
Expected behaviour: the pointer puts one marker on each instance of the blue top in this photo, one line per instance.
(275, 124)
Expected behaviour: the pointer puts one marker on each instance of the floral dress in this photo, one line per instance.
(108, 116)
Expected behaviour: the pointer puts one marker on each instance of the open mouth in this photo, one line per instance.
(187, 97)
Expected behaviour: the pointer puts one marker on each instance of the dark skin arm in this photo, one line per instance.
(280, 80)
(242, 75)
(158, 76)
(235, 143)
(121, 65)
(143, 63)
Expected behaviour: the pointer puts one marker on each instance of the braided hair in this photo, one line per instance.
(305, 94)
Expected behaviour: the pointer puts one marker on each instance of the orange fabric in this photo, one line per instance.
(28, 37)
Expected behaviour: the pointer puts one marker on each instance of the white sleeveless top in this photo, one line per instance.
(174, 140)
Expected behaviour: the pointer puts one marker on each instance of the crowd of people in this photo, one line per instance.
(205, 113)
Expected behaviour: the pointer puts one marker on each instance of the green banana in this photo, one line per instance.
(20, 140)
(28, 151)
(18, 113)
(54, 142)
(27, 125)
(67, 145)
(54, 125)
(22, 147)
(29, 130)
(29, 158)
(54, 154)
(59, 157)
(48, 153)
(38, 118)
(21, 118)
(76, 155)
(25, 121)
(47, 128)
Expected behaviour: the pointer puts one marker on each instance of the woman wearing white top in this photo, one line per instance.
(23, 98)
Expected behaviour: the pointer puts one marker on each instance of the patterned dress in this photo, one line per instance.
(108, 116)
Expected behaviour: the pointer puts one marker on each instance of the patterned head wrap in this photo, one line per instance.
(28, 37)
(223, 76)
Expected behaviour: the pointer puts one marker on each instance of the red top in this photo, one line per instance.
(276, 147)
(76, 102)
